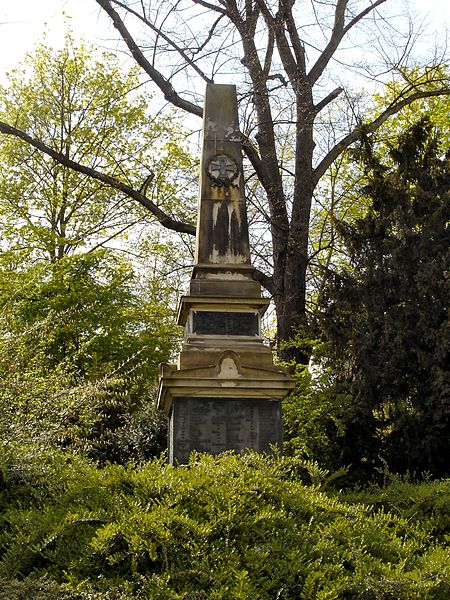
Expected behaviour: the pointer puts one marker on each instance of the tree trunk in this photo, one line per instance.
(291, 305)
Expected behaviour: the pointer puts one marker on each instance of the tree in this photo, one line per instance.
(81, 333)
(384, 317)
(284, 58)
(80, 344)
(340, 197)
(86, 108)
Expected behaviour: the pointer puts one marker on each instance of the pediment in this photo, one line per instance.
(228, 365)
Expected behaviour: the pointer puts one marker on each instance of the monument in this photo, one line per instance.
(224, 393)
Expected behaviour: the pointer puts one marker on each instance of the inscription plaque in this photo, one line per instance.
(225, 323)
(213, 425)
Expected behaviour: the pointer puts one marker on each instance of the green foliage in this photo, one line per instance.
(81, 335)
(434, 108)
(315, 417)
(80, 345)
(339, 196)
(428, 502)
(93, 305)
(82, 330)
(232, 527)
(383, 318)
(86, 107)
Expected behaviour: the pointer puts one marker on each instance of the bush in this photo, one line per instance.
(234, 527)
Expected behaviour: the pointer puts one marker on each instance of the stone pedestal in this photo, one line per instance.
(225, 392)
(214, 425)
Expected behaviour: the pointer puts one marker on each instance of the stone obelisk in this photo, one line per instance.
(224, 393)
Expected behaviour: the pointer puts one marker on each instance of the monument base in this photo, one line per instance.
(213, 425)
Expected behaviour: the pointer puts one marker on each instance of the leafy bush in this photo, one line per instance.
(428, 502)
(232, 527)
(79, 352)
(316, 416)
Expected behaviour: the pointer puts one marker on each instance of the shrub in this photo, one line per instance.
(232, 527)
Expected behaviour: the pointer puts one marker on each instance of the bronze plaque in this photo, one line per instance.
(225, 323)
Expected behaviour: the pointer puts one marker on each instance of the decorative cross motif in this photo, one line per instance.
(222, 169)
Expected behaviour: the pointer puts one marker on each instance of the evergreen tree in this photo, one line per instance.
(384, 316)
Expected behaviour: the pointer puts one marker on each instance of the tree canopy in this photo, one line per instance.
(84, 106)
(80, 344)
(83, 326)
(300, 109)
(383, 318)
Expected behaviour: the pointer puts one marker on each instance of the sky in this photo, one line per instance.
(23, 22)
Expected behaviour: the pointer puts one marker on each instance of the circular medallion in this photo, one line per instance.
(222, 169)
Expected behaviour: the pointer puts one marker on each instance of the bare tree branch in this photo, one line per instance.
(338, 33)
(325, 101)
(210, 6)
(297, 44)
(353, 136)
(164, 84)
(265, 280)
(255, 159)
(362, 14)
(210, 34)
(277, 25)
(167, 39)
(165, 219)
(269, 53)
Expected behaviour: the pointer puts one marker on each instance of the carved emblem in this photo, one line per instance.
(222, 169)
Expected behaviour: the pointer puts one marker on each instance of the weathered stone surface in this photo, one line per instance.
(225, 287)
(214, 425)
(222, 219)
(201, 353)
(206, 371)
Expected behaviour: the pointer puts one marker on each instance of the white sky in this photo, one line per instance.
(23, 22)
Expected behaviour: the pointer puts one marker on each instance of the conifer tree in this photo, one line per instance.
(384, 316)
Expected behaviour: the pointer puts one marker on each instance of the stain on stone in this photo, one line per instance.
(235, 234)
(221, 229)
